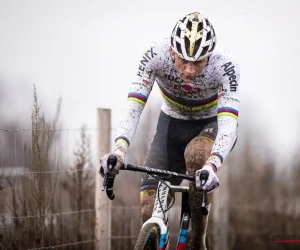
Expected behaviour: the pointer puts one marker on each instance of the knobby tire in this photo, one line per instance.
(148, 238)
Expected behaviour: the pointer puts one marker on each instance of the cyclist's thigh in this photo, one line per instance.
(199, 148)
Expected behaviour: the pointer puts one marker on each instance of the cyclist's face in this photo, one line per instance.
(189, 70)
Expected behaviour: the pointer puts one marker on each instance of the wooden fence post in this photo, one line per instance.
(102, 203)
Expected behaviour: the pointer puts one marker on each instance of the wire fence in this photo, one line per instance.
(47, 191)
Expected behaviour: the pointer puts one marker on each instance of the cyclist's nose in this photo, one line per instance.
(190, 69)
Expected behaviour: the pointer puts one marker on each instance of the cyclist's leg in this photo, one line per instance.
(166, 152)
(196, 154)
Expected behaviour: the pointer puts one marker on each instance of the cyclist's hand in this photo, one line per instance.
(120, 160)
(212, 182)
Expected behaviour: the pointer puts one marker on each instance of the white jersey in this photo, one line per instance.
(213, 93)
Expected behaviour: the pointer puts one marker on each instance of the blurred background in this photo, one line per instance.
(61, 60)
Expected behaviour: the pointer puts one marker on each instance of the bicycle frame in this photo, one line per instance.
(160, 210)
(184, 222)
(160, 216)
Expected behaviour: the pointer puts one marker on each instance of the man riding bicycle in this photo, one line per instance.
(197, 126)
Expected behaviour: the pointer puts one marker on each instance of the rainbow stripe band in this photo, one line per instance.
(137, 97)
(206, 137)
(226, 111)
(122, 140)
(189, 105)
(217, 155)
(148, 187)
(187, 108)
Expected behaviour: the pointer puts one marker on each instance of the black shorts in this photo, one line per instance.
(169, 142)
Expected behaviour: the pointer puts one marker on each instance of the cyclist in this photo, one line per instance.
(197, 126)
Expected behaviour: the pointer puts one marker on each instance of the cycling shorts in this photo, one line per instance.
(169, 142)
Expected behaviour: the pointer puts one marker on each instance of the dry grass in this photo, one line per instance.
(42, 209)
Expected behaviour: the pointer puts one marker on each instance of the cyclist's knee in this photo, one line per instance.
(197, 152)
(147, 198)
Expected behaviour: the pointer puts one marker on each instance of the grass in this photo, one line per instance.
(46, 206)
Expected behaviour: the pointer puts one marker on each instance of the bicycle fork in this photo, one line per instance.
(159, 215)
(185, 221)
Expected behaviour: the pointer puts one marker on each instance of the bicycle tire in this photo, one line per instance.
(148, 238)
(208, 242)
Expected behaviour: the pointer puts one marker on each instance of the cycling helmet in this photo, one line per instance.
(193, 37)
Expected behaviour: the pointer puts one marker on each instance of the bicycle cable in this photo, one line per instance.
(171, 191)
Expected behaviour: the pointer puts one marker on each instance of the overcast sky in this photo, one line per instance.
(87, 52)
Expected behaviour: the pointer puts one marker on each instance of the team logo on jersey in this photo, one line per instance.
(186, 88)
(145, 60)
(145, 81)
(229, 69)
(173, 78)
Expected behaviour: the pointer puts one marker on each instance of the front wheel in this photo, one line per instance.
(148, 238)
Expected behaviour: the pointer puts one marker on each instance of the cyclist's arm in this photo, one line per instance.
(228, 104)
(137, 97)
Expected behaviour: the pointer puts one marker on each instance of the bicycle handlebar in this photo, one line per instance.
(108, 182)
(157, 171)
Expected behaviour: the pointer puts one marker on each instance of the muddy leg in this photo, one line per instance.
(147, 198)
(196, 154)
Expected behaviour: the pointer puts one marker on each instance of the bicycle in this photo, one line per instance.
(154, 233)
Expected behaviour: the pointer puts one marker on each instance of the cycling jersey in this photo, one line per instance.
(213, 93)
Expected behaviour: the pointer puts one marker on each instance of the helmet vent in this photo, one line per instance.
(208, 36)
(178, 47)
(212, 47)
(204, 51)
(200, 26)
(178, 32)
(189, 25)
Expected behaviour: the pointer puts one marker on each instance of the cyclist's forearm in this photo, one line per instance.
(223, 144)
(137, 98)
(130, 117)
(228, 109)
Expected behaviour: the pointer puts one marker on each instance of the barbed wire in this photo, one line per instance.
(87, 241)
(48, 215)
(45, 172)
(64, 245)
(74, 212)
(57, 129)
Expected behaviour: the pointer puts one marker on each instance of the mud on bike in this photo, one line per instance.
(154, 233)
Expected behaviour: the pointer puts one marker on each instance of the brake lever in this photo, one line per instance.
(104, 183)
(203, 178)
(109, 178)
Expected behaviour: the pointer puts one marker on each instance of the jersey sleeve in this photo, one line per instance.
(136, 100)
(227, 111)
